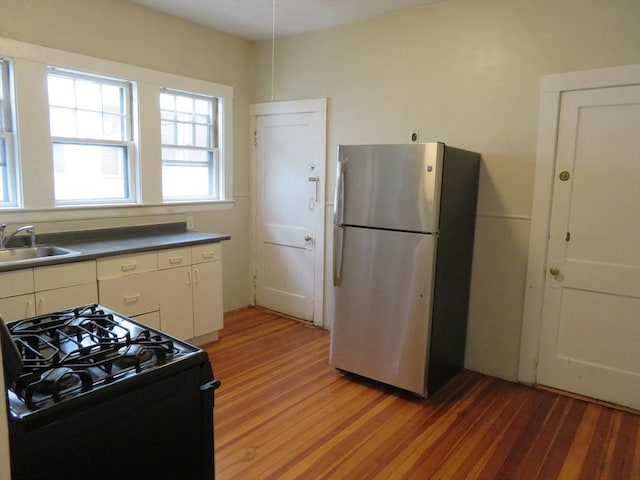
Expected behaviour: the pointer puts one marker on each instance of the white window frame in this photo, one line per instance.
(35, 147)
(127, 144)
(214, 168)
(7, 134)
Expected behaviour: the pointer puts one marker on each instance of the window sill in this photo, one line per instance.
(89, 212)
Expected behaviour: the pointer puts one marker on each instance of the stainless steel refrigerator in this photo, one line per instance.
(404, 221)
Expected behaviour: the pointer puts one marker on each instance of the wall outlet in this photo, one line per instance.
(190, 223)
(415, 136)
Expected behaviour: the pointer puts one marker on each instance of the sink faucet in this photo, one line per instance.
(30, 229)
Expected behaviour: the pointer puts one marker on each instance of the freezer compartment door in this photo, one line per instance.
(394, 187)
(382, 306)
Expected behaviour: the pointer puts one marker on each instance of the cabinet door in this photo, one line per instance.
(17, 308)
(207, 297)
(64, 298)
(176, 307)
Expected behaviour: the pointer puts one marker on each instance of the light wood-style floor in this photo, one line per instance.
(283, 413)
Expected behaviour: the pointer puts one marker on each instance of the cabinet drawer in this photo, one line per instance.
(173, 258)
(17, 282)
(208, 252)
(58, 276)
(127, 264)
(132, 294)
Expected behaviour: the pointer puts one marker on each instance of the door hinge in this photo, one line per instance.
(568, 237)
(255, 138)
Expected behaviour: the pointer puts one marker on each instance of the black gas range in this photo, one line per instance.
(93, 394)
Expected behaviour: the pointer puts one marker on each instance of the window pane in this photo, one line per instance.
(167, 102)
(63, 122)
(112, 100)
(202, 136)
(61, 92)
(185, 181)
(89, 124)
(88, 95)
(184, 134)
(172, 155)
(90, 172)
(113, 127)
(168, 133)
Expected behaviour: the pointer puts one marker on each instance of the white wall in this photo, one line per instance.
(125, 33)
(465, 72)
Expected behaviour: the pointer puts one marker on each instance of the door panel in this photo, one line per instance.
(286, 213)
(590, 331)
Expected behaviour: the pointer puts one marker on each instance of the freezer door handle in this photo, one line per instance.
(338, 204)
(338, 240)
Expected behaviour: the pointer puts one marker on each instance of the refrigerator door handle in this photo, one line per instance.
(338, 238)
(338, 212)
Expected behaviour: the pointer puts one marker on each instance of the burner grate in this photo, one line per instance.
(77, 350)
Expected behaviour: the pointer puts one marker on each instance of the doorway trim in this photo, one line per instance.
(551, 89)
(317, 106)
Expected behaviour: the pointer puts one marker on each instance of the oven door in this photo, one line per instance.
(159, 430)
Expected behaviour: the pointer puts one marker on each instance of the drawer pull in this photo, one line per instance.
(175, 260)
(207, 255)
(129, 299)
(128, 267)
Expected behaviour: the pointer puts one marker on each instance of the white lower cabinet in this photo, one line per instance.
(36, 291)
(176, 304)
(207, 297)
(178, 290)
(191, 291)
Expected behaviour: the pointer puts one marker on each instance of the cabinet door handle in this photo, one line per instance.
(189, 278)
(207, 255)
(128, 267)
(195, 277)
(41, 306)
(129, 299)
(27, 309)
(175, 260)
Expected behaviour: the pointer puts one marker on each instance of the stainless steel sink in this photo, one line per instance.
(39, 252)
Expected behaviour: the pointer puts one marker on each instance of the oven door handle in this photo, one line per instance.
(212, 385)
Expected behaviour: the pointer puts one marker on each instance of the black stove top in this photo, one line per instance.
(75, 353)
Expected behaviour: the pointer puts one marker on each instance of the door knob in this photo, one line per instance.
(554, 271)
(308, 238)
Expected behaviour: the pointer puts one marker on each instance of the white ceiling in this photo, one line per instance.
(252, 19)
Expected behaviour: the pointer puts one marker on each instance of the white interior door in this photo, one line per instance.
(289, 207)
(590, 330)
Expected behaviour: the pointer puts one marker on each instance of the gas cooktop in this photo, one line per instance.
(75, 352)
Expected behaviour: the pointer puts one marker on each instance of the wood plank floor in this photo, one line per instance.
(283, 413)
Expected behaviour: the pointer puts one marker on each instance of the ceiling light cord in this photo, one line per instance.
(273, 47)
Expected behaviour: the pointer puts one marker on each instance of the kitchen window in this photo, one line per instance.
(7, 152)
(84, 137)
(190, 153)
(91, 133)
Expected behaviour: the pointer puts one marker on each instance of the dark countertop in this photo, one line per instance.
(92, 244)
